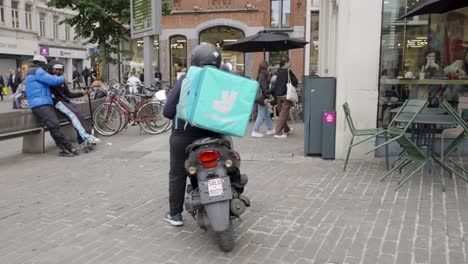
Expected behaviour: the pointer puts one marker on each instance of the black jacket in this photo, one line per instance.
(170, 112)
(62, 93)
(14, 83)
(280, 89)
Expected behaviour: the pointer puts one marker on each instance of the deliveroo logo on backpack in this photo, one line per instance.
(225, 105)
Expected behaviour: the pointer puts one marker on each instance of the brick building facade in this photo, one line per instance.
(194, 21)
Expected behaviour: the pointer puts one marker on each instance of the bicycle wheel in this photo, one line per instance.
(151, 118)
(107, 121)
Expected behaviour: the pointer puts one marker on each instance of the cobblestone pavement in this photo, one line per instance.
(108, 206)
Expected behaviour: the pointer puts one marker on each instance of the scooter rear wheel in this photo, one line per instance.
(226, 239)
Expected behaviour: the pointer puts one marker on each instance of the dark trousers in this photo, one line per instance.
(75, 82)
(1, 94)
(177, 173)
(48, 118)
(283, 108)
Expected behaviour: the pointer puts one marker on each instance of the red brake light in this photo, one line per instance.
(208, 156)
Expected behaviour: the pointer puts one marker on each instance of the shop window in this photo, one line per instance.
(14, 14)
(28, 16)
(280, 14)
(132, 57)
(422, 57)
(221, 35)
(178, 57)
(42, 25)
(2, 12)
(55, 27)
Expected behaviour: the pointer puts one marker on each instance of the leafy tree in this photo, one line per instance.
(105, 22)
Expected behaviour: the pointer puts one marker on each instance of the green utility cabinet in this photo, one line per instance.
(319, 98)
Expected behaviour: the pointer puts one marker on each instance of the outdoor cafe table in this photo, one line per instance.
(430, 111)
(424, 129)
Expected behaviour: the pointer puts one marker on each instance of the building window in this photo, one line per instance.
(280, 13)
(14, 14)
(178, 57)
(42, 25)
(67, 32)
(314, 42)
(422, 57)
(275, 57)
(28, 13)
(220, 35)
(2, 12)
(55, 27)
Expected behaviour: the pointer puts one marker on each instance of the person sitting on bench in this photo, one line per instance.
(61, 96)
(18, 95)
(40, 101)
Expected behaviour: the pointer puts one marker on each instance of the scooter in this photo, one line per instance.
(214, 196)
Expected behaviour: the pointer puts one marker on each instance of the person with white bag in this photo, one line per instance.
(285, 78)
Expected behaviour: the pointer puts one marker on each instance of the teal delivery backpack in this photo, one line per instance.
(217, 100)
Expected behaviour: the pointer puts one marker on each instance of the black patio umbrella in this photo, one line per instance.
(436, 7)
(265, 41)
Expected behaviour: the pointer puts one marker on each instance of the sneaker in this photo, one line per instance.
(255, 134)
(289, 131)
(74, 151)
(281, 136)
(270, 132)
(64, 152)
(175, 220)
(93, 140)
(79, 146)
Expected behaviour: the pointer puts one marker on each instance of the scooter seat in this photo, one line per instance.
(206, 141)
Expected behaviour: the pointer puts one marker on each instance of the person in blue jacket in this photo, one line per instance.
(183, 135)
(40, 102)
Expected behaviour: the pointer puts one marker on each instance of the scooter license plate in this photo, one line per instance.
(215, 187)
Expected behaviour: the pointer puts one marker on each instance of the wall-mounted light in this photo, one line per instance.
(299, 4)
(250, 6)
(196, 8)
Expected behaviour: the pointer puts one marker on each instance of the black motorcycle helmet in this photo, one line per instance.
(206, 54)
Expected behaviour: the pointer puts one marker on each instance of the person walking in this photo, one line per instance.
(263, 79)
(40, 101)
(85, 74)
(13, 80)
(279, 91)
(76, 78)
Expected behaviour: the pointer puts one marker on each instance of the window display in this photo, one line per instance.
(423, 57)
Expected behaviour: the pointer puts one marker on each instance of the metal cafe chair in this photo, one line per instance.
(445, 160)
(409, 111)
(371, 133)
(452, 133)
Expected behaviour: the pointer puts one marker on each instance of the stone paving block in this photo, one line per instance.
(386, 259)
(404, 258)
(389, 247)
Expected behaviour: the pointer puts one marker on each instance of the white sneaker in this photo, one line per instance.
(290, 131)
(281, 136)
(270, 132)
(92, 139)
(255, 134)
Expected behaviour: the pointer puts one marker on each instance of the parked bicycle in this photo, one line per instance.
(112, 117)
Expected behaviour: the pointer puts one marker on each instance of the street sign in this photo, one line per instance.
(146, 18)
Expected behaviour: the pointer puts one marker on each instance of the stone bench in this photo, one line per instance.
(23, 123)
